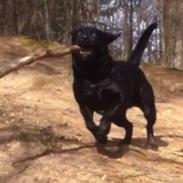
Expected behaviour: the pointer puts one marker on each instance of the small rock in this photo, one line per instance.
(172, 89)
(12, 114)
(104, 177)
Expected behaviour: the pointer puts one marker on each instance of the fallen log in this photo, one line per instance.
(10, 67)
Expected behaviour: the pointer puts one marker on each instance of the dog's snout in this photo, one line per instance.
(84, 37)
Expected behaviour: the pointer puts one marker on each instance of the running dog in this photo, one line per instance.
(110, 87)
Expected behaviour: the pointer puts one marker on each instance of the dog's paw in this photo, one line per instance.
(100, 135)
(125, 142)
(151, 143)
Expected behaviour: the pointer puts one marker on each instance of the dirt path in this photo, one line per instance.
(43, 138)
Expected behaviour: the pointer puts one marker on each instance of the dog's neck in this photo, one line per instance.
(95, 69)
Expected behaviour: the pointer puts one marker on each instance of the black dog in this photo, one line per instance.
(109, 87)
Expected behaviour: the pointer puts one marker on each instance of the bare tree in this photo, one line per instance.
(173, 33)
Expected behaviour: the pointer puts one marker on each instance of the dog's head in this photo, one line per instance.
(91, 41)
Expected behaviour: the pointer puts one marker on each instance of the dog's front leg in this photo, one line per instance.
(105, 122)
(104, 127)
(90, 124)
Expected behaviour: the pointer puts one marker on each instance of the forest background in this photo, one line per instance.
(53, 20)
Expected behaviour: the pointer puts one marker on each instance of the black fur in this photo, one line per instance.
(109, 87)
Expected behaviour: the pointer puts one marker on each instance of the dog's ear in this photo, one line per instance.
(109, 37)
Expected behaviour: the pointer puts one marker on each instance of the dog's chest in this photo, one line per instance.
(101, 95)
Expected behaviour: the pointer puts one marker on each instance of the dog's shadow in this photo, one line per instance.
(114, 150)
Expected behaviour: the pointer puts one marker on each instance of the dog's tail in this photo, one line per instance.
(136, 54)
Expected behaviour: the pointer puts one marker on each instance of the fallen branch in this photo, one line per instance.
(6, 69)
(54, 151)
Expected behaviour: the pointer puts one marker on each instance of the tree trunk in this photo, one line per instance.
(131, 11)
(173, 33)
(47, 23)
(75, 14)
(128, 28)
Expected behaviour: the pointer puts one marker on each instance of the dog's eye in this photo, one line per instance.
(79, 33)
(93, 34)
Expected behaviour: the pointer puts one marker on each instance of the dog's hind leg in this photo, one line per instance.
(147, 105)
(122, 121)
(149, 111)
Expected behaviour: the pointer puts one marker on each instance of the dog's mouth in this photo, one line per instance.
(85, 52)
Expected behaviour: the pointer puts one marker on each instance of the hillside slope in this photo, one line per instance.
(43, 138)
